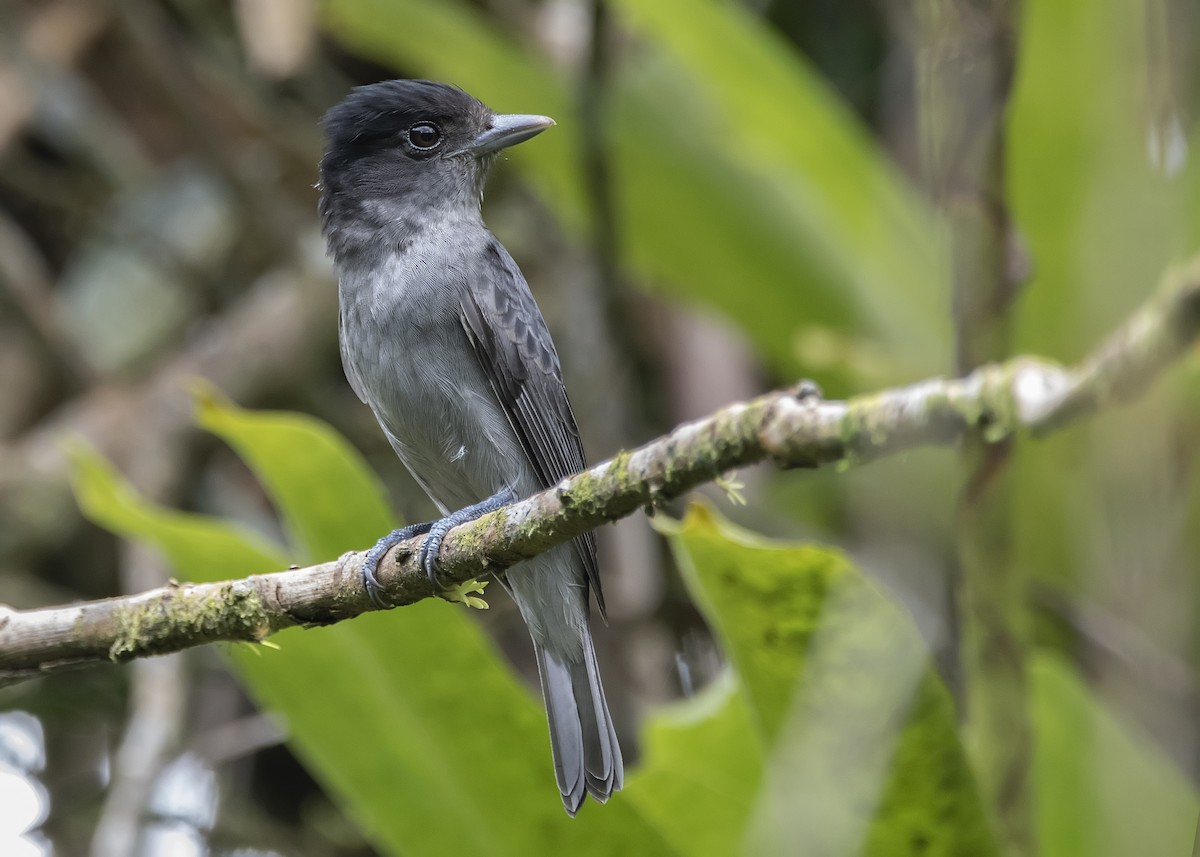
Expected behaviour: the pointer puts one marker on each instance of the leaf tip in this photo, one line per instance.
(208, 402)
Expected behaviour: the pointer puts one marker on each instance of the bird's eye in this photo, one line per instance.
(424, 136)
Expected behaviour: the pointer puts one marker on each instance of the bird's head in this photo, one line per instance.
(410, 148)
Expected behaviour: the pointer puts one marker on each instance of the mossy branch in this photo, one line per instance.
(1021, 396)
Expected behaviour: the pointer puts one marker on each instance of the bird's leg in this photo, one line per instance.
(437, 532)
(374, 555)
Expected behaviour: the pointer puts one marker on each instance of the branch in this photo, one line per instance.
(1022, 396)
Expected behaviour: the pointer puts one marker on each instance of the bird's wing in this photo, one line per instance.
(509, 336)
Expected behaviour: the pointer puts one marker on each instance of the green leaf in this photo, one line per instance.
(429, 741)
(328, 498)
(860, 737)
(1103, 790)
(198, 547)
(779, 123)
(700, 770)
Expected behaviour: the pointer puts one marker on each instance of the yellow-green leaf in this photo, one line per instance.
(862, 752)
(328, 498)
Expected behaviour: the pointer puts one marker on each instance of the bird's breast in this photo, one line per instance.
(408, 357)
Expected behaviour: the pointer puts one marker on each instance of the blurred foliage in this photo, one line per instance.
(1104, 190)
(857, 735)
(1103, 789)
(745, 185)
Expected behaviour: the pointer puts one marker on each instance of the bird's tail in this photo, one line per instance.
(587, 758)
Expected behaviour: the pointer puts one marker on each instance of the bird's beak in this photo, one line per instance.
(508, 130)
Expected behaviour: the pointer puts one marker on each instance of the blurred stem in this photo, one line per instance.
(601, 333)
(599, 317)
(965, 67)
(595, 150)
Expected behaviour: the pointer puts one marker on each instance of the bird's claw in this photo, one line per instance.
(370, 566)
(371, 584)
(431, 547)
(435, 532)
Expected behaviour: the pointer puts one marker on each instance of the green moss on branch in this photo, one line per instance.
(230, 612)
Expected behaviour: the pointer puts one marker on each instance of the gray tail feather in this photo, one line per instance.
(587, 757)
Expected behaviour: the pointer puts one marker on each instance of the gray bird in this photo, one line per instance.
(441, 337)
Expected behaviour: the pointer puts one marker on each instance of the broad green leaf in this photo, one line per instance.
(778, 121)
(328, 498)
(778, 245)
(198, 547)
(700, 770)
(1103, 790)
(430, 741)
(704, 227)
(863, 755)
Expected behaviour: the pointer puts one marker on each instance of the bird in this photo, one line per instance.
(441, 337)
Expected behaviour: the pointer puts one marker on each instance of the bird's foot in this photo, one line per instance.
(371, 562)
(437, 532)
(434, 532)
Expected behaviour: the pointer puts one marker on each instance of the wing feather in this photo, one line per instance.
(509, 337)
